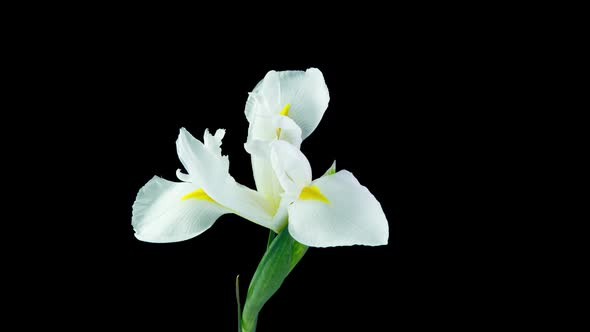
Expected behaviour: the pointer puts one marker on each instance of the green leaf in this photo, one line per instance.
(278, 261)
(331, 170)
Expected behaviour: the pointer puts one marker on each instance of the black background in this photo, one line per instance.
(392, 121)
(374, 127)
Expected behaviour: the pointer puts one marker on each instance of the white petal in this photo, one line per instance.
(290, 166)
(209, 170)
(258, 112)
(246, 203)
(213, 143)
(353, 215)
(205, 164)
(258, 148)
(306, 92)
(289, 130)
(182, 177)
(308, 95)
(281, 217)
(161, 215)
(270, 88)
(264, 176)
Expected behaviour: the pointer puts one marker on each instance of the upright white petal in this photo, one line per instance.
(305, 91)
(352, 215)
(290, 166)
(308, 95)
(270, 88)
(209, 170)
(304, 95)
(265, 92)
(161, 215)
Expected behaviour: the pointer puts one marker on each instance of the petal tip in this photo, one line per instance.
(219, 134)
(314, 70)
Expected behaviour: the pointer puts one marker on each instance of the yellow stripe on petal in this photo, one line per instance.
(285, 110)
(198, 194)
(313, 192)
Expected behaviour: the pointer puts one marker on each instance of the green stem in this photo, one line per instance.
(239, 303)
(276, 264)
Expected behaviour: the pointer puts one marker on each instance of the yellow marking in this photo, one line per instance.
(313, 192)
(285, 110)
(198, 194)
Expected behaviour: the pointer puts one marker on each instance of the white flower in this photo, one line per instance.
(287, 106)
(166, 211)
(334, 210)
(283, 109)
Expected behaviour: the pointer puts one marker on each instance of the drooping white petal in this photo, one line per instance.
(290, 166)
(161, 215)
(352, 215)
(305, 92)
(209, 170)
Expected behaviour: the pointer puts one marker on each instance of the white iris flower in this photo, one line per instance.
(283, 109)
